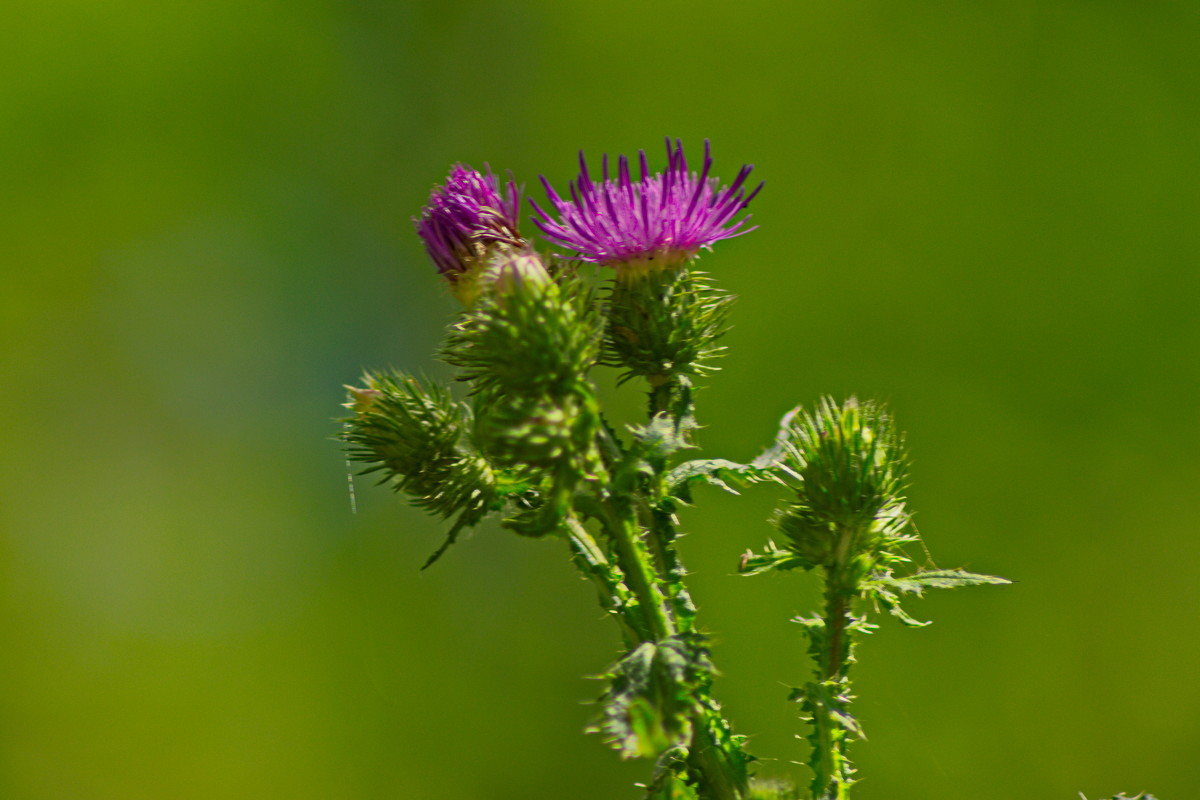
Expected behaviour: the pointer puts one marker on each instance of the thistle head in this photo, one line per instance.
(850, 469)
(469, 220)
(411, 433)
(661, 220)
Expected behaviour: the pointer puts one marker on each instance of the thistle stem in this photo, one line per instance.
(659, 396)
(829, 708)
(832, 723)
(722, 776)
(635, 561)
(721, 781)
(671, 569)
(614, 595)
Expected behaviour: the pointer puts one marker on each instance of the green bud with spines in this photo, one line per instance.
(664, 322)
(850, 470)
(528, 334)
(415, 436)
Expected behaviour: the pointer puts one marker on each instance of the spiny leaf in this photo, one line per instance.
(717, 471)
(670, 781)
(774, 455)
(891, 601)
(647, 708)
(656, 693)
(775, 558)
(939, 579)
(886, 588)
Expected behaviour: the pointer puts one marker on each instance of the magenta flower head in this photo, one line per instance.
(660, 220)
(468, 218)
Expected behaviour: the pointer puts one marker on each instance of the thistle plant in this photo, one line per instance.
(847, 518)
(527, 442)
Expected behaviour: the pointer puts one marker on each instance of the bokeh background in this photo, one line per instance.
(983, 213)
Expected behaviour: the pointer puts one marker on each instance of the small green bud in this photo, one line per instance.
(514, 272)
(528, 335)
(851, 468)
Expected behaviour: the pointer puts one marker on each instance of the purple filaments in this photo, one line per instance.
(660, 220)
(466, 216)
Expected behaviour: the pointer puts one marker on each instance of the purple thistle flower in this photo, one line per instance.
(660, 220)
(466, 217)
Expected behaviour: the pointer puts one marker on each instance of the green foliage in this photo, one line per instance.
(824, 704)
(847, 519)
(659, 705)
(773, 790)
(649, 705)
(886, 588)
(534, 445)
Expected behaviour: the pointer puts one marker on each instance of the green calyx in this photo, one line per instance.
(538, 432)
(662, 323)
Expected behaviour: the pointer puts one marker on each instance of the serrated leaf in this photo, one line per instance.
(716, 471)
(660, 437)
(773, 559)
(773, 456)
(886, 589)
(939, 579)
(649, 703)
(670, 781)
(891, 602)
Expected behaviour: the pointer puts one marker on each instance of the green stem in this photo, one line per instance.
(829, 708)
(722, 772)
(662, 542)
(659, 396)
(661, 525)
(615, 597)
(722, 779)
(635, 562)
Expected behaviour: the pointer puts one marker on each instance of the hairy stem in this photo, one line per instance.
(614, 595)
(671, 570)
(721, 779)
(830, 699)
(635, 561)
(713, 754)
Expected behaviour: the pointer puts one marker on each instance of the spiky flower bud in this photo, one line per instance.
(850, 468)
(529, 336)
(469, 220)
(413, 435)
(513, 272)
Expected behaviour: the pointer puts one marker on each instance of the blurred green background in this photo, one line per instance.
(984, 213)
